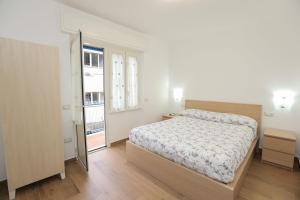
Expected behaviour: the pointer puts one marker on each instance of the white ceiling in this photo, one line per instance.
(169, 19)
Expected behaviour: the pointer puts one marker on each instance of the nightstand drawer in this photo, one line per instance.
(278, 158)
(286, 146)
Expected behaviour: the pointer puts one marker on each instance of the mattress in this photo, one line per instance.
(211, 148)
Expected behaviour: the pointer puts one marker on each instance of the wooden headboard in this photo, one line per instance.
(250, 110)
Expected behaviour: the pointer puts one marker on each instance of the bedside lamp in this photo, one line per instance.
(177, 94)
(283, 99)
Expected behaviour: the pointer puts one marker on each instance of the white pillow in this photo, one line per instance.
(228, 118)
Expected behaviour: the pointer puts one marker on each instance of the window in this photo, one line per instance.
(101, 59)
(132, 82)
(118, 82)
(92, 58)
(94, 98)
(88, 98)
(95, 60)
(124, 82)
(87, 59)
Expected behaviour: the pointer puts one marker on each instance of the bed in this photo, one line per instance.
(201, 158)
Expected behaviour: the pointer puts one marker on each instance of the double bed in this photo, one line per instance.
(201, 154)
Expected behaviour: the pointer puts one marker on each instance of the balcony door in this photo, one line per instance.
(78, 99)
(94, 101)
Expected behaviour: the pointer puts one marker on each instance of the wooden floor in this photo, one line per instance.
(112, 178)
(96, 140)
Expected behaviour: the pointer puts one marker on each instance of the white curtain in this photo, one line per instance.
(118, 82)
(132, 82)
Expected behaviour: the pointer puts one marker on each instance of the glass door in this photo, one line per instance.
(93, 78)
(78, 99)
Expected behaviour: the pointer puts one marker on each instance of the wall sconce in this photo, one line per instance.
(283, 99)
(177, 94)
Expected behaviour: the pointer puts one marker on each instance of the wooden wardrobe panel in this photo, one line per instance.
(30, 114)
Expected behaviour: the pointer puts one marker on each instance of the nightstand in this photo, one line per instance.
(279, 147)
(168, 116)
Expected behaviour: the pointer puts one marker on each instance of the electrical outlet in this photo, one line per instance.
(68, 140)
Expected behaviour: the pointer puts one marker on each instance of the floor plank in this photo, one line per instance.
(112, 178)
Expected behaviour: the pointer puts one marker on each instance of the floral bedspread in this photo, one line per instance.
(212, 148)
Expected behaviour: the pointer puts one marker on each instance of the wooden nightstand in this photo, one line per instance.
(168, 116)
(279, 147)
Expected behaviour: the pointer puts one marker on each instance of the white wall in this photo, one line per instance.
(39, 21)
(243, 53)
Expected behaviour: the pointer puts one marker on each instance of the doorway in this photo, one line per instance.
(94, 101)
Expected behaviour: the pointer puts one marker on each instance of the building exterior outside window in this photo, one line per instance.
(93, 89)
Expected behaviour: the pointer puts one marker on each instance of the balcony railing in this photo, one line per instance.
(94, 117)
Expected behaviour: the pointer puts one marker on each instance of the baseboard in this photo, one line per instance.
(70, 155)
(119, 142)
(70, 160)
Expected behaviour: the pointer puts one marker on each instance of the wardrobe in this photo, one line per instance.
(30, 112)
